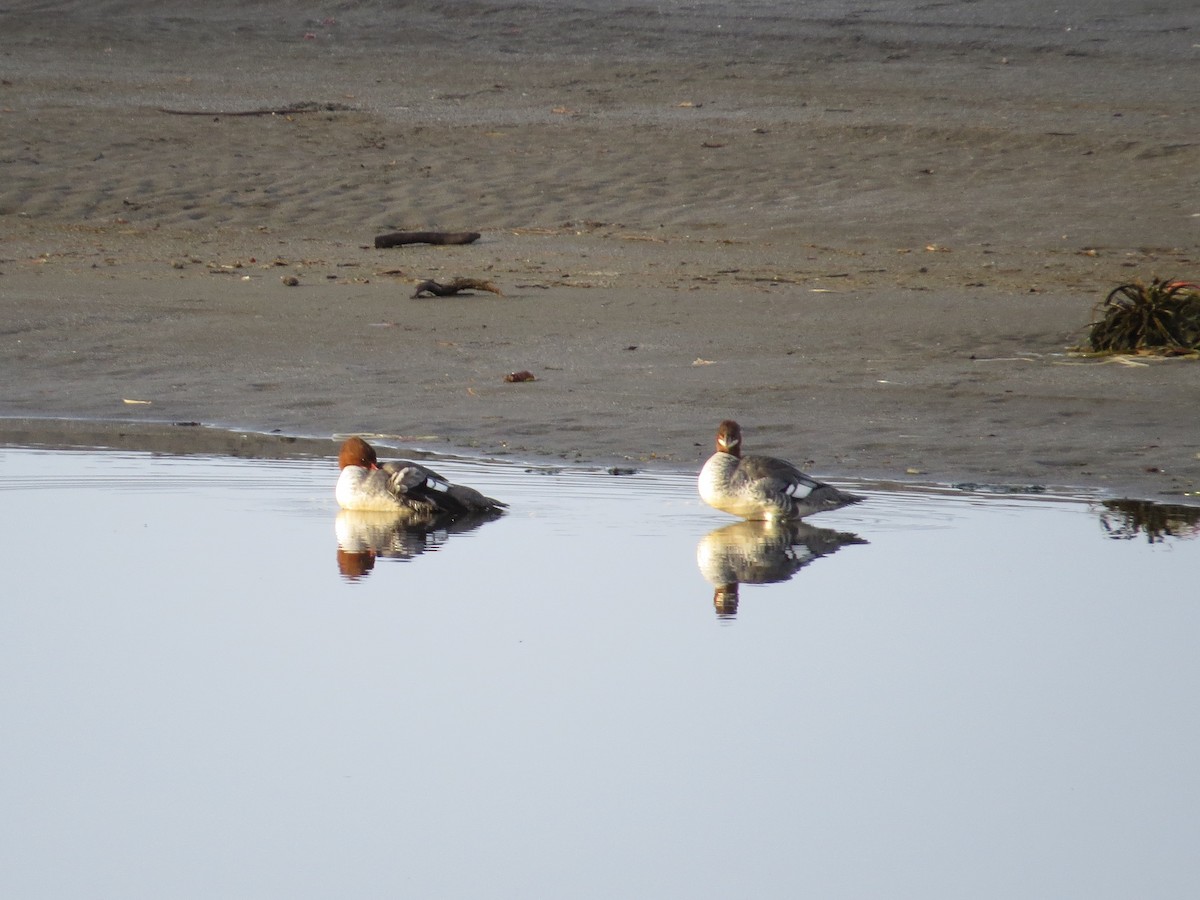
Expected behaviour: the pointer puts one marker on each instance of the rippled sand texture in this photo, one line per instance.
(845, 211)
(499, 116)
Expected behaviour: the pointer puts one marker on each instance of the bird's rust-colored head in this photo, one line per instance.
(357, 452)
(729, 438)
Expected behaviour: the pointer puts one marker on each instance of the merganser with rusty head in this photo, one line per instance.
(405, 488)
(762, 487)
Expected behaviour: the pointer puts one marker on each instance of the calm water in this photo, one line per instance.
(958, 696)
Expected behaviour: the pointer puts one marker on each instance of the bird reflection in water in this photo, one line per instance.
(364, 537)
(761, 553)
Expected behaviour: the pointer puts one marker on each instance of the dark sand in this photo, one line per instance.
(869, 236)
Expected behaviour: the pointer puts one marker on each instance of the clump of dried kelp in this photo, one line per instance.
(1160, 317)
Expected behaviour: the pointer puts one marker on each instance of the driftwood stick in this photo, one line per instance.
(275, 111)
(453, 287)
(396, 238)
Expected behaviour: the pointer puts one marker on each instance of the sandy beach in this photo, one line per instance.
(871, 236)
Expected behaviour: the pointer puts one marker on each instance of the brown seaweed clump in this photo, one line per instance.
(1161, 317)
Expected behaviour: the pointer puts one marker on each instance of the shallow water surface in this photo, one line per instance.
(213, 685)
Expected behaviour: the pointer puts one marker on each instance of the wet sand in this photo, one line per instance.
(870, 236)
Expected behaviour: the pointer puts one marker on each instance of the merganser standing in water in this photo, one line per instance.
(402, 487)
(762, 487)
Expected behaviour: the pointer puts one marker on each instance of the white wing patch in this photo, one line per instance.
(798, 490)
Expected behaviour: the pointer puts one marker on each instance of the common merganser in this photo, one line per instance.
(403, 487)
(762, 487)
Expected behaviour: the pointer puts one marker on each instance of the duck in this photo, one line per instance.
(762, 487)
(406, 488)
